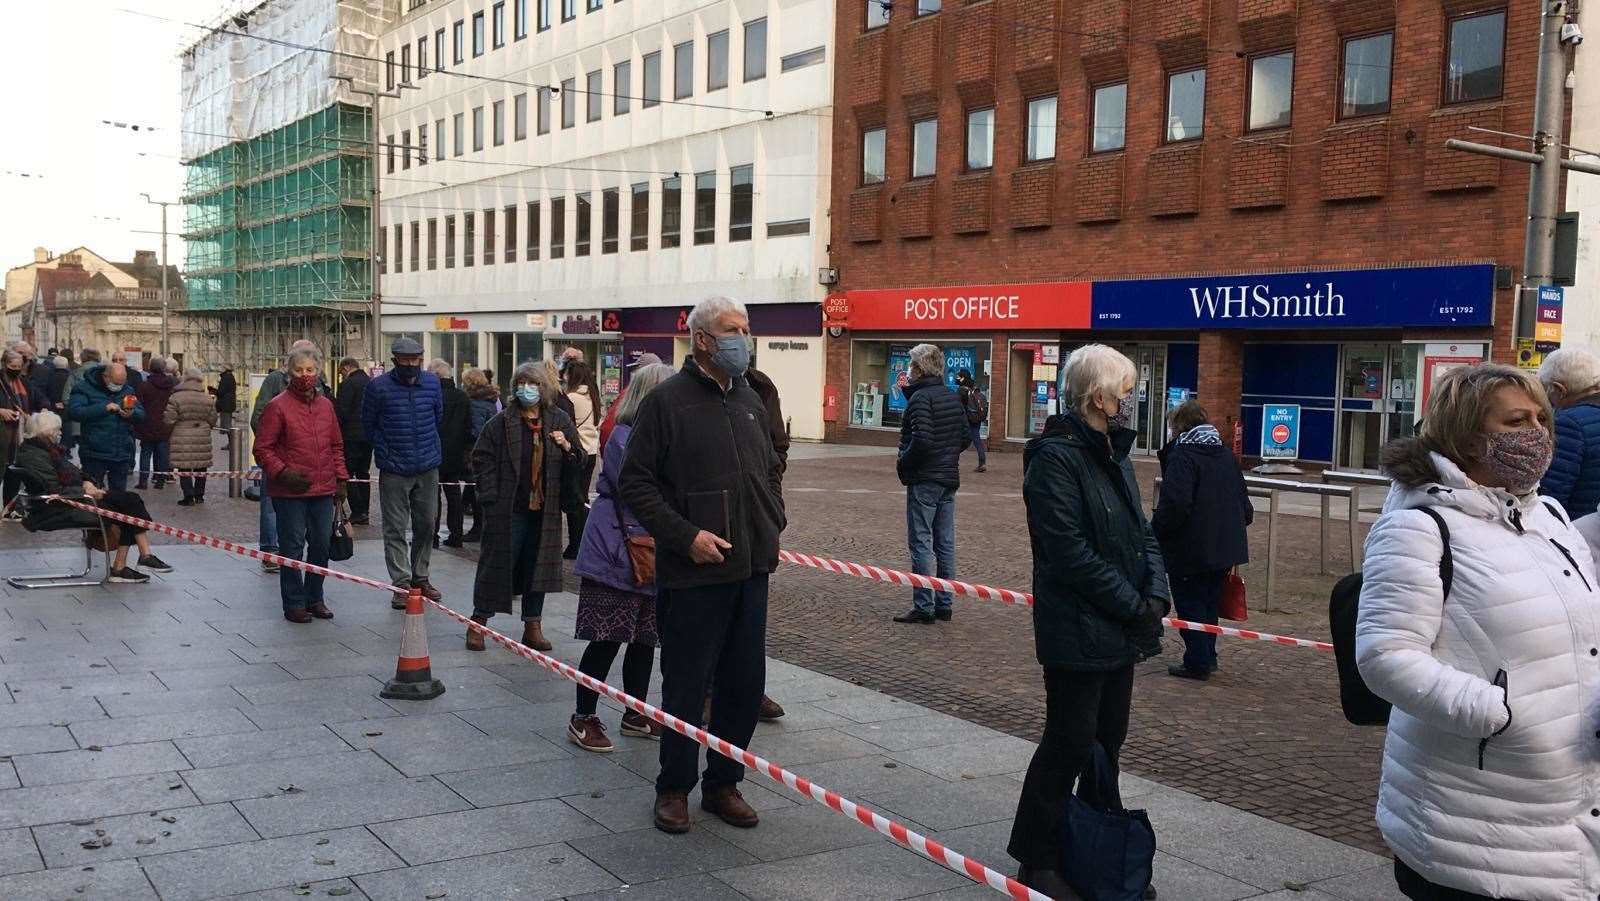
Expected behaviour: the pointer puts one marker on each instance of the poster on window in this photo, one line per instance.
(899, 374)
(957, 359)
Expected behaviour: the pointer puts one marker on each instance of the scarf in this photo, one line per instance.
(1205, 433)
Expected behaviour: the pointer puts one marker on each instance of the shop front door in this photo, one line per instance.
(1149, 391)
(1377, 402)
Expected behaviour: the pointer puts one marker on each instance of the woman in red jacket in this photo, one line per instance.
(301, 454)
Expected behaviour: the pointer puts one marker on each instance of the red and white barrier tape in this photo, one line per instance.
(253, 475)
(897, 832)
(1018, 598)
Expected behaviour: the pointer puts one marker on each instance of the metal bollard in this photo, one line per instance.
(1272, 548)
(1357, 552)
(1322, 535)
(236, 461)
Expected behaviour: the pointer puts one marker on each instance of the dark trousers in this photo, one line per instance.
(193, 486)
(1196, 597)
(469, 496)
(976, 432)
(1081, 708)
(712, 639)
(304, 525)
(157, 454)
(106, 474)
(1413, 886)
(526, 528)
(358, 460)
(596, 662)
(453, 512)
(577, 519)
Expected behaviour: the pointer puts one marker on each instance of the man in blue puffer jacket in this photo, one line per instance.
(1572, 379)
(401, 413)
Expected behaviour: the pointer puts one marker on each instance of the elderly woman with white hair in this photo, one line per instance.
(1571, 377)
(1100, 590)
(191, 414)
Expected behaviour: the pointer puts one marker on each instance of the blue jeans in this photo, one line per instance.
(305, 524)
(976, 431)
(931, 532)
(160, 452)
(104, 473)
(269, 520)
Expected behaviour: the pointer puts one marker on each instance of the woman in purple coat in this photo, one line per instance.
(613, 609)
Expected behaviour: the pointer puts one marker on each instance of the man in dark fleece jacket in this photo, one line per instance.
(701, 476)
(933, 433)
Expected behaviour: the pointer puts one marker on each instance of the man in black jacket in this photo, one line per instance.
(701, 476)
(455, 440)
(227, 394)
(933, 433)
(357, 449)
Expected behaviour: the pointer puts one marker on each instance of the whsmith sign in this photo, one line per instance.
(1346, 298)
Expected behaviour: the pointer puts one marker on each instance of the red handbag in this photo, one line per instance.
(1232, 606)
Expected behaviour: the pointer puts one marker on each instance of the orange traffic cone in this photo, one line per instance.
(413, 675)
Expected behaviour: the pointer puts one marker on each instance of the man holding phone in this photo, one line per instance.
(702, 477)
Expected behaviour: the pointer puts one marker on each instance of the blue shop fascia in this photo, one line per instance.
(1356, 350)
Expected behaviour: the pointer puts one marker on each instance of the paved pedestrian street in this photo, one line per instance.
(180, 740)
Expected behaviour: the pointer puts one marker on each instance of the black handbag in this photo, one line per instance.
(340, 545)
(1107, 851)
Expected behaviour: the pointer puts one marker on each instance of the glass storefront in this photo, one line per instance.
(1378, 400)
(878, 370)
(1032, 387)
(510, 350)
(459, 349)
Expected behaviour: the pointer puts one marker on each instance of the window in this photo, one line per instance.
(405, 64)
(717, 61)
(652, 79)
(1186, 105)
(594, 5)
(449, 242)
(510, 214)
(558, 227)
(1367, 65)
(980, 139)
(594, 94)
(422, 57)
(388, 70)
(544, 14)
(621, 87)
(1110, 118)
(788, 228)
(389, 168)
(755, 50)
(422, 145)
(399, 248)
(416, 244)
(405, 149)
(671, 211)
(925, 7)
(519, 117)
(468, 246)
(499, 122)
(705, 208)
(1041, 144)
(683, 70)
(569, 111)
(477, 128)
(1475, 68)
(877, 14)
(872, 169)
(461, 133)
(584, 211)
(639, 220)
(1271, 91)
(802, 59)
(433, 244)
(489, 242)
(477, 34)
(924, 147)
(532, 241)
(544, 111)
(569, 10)
(610, 211)
(438, 139)
(383, 250)
(519, 19)
(498, 26)
(460, 41)
(438, 50)
(741, 208)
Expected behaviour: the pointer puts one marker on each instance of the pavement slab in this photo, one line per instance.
(16, 740)
(92, 798)
(98, 763)
(161, 727)
(142, 834)
(269, 863)
(527, 874)
(119, 880)
(18, 852)
(335, 806)
(268, 778)
(427, 839)
(294, 743)
(646, 854)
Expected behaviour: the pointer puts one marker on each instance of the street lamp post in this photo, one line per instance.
(375, 317)
(163, 204)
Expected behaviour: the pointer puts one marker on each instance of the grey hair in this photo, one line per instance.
(1096, 367)
(158, 364)
(305, 344)
(89, 355)
(304, 353)
(928, 359)
(535, 372)
(645, 379)
(1575, 370)
(440, 368)
(195, 372)
(705, 313)
(60, 362)
(42, 423)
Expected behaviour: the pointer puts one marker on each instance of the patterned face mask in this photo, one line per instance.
(1124, 415)
(1518, 459)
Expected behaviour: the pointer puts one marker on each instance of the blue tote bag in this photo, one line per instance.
(1106, 850)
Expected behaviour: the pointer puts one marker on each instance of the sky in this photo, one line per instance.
(83, 61)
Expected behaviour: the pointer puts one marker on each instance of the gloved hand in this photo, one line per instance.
(342, 493)
(1145, 630)
(295, 480)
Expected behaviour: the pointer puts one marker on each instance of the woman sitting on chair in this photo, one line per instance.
(45, 466)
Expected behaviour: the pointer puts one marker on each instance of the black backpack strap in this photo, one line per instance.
(1447, 564)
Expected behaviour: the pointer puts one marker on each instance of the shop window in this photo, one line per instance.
(671, 211)
(1271, 91)
(1368, 63)
(872, 148)
(1041, 129)
(1474, 67)
(583, 209)
(1186, 105)
(558, 228)
(705, 208)
(459, 349)
(980, 139)
(1032, 393)
(924, 147)
(639, 218)
(1110, 118)
(741, 213)
(878, 371)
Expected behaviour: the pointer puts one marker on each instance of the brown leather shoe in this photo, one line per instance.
(533, 636)
(297, 615)
(320, 610)
(474, 637)
(672, 812)
(726, 802)
(770, 710)
(428, 591)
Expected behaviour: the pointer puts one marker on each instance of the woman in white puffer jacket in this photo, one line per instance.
(1491, 769)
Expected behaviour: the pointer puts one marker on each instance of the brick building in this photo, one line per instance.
(1251, 198)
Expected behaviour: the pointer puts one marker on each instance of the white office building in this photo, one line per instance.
(580, 172)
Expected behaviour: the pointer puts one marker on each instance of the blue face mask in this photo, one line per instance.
(528, 395)
(732, 354)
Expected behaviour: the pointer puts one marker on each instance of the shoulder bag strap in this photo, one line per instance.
(1447, 565)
